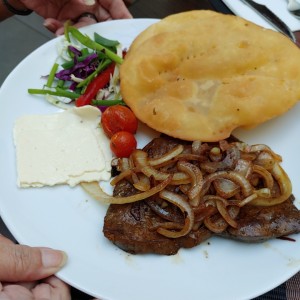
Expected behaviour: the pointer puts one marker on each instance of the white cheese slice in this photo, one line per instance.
(63, 148)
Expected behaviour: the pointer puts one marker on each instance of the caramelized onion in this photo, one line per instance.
(166, 157)
(178, 177)
(285, 188)
(121, 176)
(229, 162)
(196, 147)
(166, 213)
(217, 224)
(225, 188)
(140, 159)
(265, 174)
(224, 213)
(196, 180)
(142, 183)
(215, 154)
(243, 167)
(185, 208)
(247, 200)
(265, 160)
(212, 200)
(235, 177)
(93, 189)
(123, 164)
(265, 148)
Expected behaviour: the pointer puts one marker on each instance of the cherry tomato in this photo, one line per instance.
(118, 118)
(123, 143)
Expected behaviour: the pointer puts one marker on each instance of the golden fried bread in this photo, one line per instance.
(199, 75)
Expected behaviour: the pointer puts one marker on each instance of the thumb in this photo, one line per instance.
(24, 263)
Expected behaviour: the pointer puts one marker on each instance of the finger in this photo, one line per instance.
(84, 21)
(52, 288)
(25, 284)
(23, 263)
(5, 240)
(15, 292)
(53, 25)
(117, 9)
(60, 31)
(80, 23)
(102, 14)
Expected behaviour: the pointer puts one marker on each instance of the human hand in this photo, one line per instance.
(57, 12)
(22, 266)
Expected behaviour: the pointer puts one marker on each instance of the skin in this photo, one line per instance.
(56, 12)
(27, 272)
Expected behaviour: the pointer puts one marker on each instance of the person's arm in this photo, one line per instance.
(10, 7)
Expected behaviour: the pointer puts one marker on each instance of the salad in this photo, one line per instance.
(86, 72)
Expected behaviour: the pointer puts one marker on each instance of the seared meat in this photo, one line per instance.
(132, 227)
(257, 224)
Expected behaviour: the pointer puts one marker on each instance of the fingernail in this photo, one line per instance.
(89, 2)
(53, 258)
(59, 32)
(49, 25)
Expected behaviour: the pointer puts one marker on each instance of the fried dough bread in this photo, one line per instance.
(198, 75)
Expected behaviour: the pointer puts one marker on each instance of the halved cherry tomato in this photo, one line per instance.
(123, 143)
(118, 118)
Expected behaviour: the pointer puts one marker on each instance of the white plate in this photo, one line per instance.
(66, 218)
(279, 7)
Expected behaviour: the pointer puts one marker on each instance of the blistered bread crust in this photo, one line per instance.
(198, 75)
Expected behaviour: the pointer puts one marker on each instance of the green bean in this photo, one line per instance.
(61, 83)
(88, 42)
(58, 92)
(104, 41)
(52, 75)
(66, 32)
(107, 102)
(85, 52)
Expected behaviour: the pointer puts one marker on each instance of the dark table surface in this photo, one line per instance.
(161, 9)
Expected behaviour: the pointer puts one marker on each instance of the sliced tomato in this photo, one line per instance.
(118, 118)
(95, 85)
(123, 143)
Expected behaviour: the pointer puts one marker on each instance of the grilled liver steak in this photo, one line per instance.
(132, 227)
